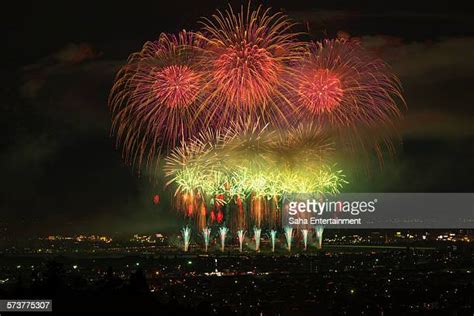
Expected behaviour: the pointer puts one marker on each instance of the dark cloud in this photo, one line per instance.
(434, 75)
(61, 165)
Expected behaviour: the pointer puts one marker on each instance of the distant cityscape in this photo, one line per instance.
(163, 243)
(371, 272)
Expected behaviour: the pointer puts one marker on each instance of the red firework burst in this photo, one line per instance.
(155, 97)
(340, 84)
(322, 92)
(247, 57)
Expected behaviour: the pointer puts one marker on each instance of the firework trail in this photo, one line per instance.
(206, 234)
(186, 233)
(319, 236)
(289, 236)
(248, 55)
(273, 238)
(256, 210)
(155, 97)
(257, 233)
(305, 238)
(241, 216)
(241, 235)
(223, 233)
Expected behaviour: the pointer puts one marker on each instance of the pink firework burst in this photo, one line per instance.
(346, 89)
(155, 97)
(247, 58)
(342, 85)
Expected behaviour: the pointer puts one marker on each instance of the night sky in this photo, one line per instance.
(61, 173)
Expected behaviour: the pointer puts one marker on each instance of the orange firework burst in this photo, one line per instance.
(248, 57)
(177, 86)
(340, 84)
(155, 97)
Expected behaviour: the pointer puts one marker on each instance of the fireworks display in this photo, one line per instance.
(243, 114)
(319, 236)
(155, 97)
(241, 236)
(348, 91)
(338, 83)
(273, 238)
(186, 234)
(206, 234)
(289, 237)
(305, 238)
(239, 178)
(223, 233)
(248, 56)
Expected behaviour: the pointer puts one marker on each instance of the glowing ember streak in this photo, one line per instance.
(206, 234)
(289, 236)
(201, 220)
(319, 236)
(273, 238)
(257, 204)
(186, 233)
(241, 235)
(223, 233)
(220, 216)
(257, 233)
(305, 238)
